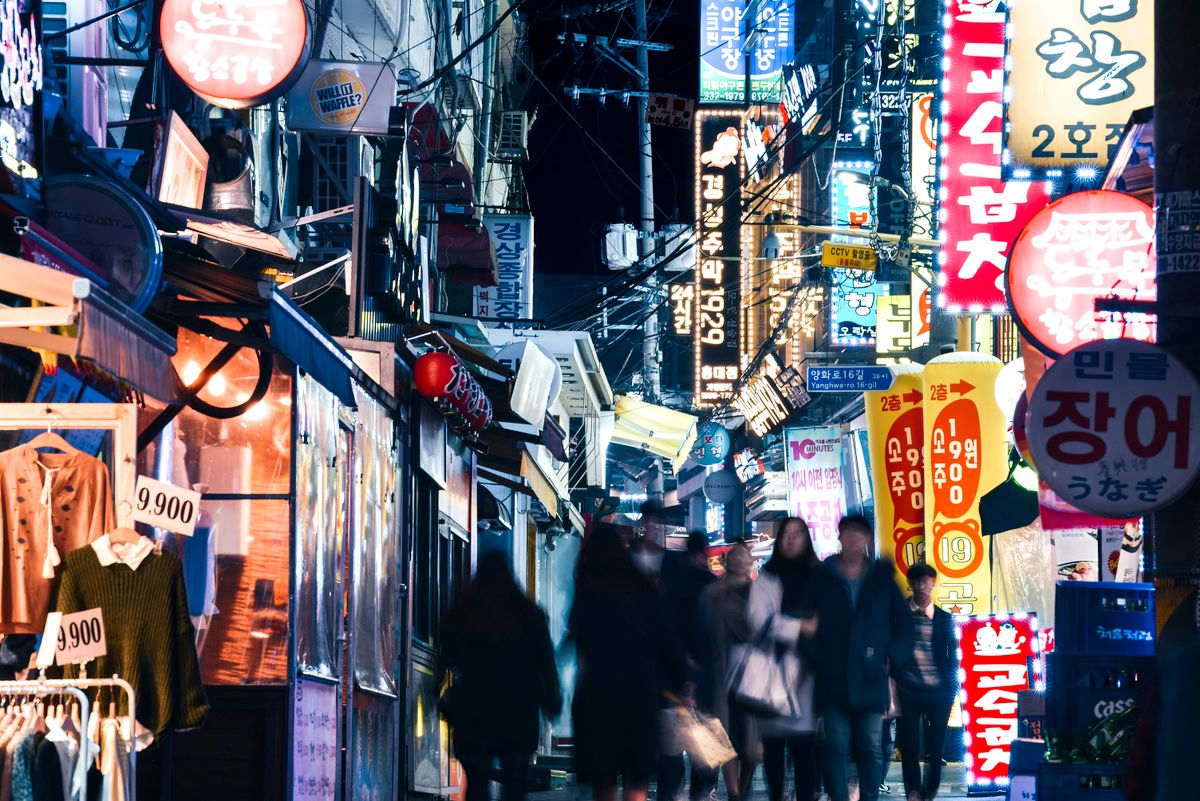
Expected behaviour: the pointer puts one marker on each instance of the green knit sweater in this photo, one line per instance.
(150, 640)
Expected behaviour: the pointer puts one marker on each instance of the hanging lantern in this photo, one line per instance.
(446, 381)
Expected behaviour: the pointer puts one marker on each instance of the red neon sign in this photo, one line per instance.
(980, 214)
(235, 53)
(995, 650)
(1085, 246)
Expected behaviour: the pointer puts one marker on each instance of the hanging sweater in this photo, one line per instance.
(150, 640)
(45, 498)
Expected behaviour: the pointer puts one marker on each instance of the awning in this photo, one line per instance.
(298, 337)
(234, 233)
(491, 508)
(656, 429)
(540, 483)
(466, 255)
(109, 334)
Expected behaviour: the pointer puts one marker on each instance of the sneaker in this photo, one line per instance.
(885, 789)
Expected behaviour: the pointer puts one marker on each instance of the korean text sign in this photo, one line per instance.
(717, 279)
(1113, 427)
(1082, 247)
(723, 65)
(1077, 70)
(896, 435)
(512, 296)
(965, 457)
(995, 667)
(853, 292)
(980, 214)
(816, 486)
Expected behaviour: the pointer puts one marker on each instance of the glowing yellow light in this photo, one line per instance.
(191, 371)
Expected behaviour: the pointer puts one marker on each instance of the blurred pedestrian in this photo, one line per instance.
(779, 604)
(627, 654)
(495, 643)
(725, 616)
(927, 687)
(865, 630)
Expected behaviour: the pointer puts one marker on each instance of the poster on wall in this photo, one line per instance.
(512, 296)
(316, 755)
(1075, 72)
(816, 487)
(965, 457)
(1076, 554)
(896, 435)
(981, 214)
(996, 653)
(723, 57)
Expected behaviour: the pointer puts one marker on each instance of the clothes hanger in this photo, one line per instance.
(123, 535)
(48, 439)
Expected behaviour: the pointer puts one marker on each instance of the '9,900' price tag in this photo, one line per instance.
(77, 637)
(166, 506)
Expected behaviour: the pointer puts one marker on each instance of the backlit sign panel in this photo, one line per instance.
(723, 36)
(853, 292)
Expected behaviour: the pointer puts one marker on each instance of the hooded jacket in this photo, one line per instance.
(858, 644)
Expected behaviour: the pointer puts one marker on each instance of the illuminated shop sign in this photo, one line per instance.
(853, 292)
(979, 213)
(1075, 72)
(20, 90)
(816, 484)
(716, 298)
(723, 64)
(512, 296)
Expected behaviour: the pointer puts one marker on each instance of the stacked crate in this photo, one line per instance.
(1103, 658)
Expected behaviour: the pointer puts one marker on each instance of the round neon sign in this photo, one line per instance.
(236, 53)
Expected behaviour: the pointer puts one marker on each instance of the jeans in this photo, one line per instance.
(927, 712)
(478, 766)
(864, 729)
(803, 751)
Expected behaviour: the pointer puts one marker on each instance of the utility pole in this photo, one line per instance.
(1174, 532)
(651, 370)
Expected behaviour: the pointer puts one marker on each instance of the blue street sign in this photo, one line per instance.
(850, 378)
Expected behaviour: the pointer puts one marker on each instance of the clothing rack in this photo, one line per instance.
(75, 688)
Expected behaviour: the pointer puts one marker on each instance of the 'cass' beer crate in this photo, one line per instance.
(1065, 781)
(1090, 700)
(1104, 618)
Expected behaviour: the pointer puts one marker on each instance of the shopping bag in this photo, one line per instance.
(763, 680)
(700, 736)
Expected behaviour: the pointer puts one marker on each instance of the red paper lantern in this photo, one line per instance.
(443, 379)
(235, 53)
(433, 374)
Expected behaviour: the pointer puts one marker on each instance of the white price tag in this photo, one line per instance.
(167, 506)
(80, 637)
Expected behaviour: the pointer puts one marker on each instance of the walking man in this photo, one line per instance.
(927, 687)
(864, 631)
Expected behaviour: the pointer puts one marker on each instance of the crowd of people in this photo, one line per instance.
(655, 629)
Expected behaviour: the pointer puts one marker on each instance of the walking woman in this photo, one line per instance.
(496, 645)
(725, 616)
(779, 602)
(627, 655)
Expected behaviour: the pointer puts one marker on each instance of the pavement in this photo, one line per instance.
(953, 788)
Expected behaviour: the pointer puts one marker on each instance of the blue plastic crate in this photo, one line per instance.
(1065, 781)
(1104, 618)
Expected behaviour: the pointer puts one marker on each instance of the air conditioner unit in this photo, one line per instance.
(512, 140)
(620, 246)
(676, 248)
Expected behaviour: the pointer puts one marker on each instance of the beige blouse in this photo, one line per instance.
(50, 505)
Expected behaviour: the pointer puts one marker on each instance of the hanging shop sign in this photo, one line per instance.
(816, 487)
(726, 54)
(849, 257)
(1074, 73)
(896, 443)
(235, 55)
(721, 487)
(107, 225)
(1115, 427)
(512, 296)
(718, 231)
(670, 111)
(1080, 248)
(713, 444)
(853, 292)
(768, 399)
(443, 379)
(798, 96)
(965, 457)
(343, 97)
(980, 213)
(997, 651)
(893, 329)
(179, 172)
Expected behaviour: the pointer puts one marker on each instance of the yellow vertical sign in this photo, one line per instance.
(896, 434)
(965, 457)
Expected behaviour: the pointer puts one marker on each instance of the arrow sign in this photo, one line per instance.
(850, 378)
(961, 387)
(913, 396)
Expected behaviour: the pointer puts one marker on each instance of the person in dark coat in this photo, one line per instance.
(927, 687)
(864, 631)
(496, 646)
(627, 654)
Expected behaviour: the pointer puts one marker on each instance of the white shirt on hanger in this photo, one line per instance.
(131, 553)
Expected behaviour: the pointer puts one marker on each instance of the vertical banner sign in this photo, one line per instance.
(816, 488)
(996, 650)
(980, 214)
(896, 431)
(718, 223)
(512, 296)
(894, 326)
(923, 136)
(723, 65)
(965, 457)
(1076, 71)
(853, 292)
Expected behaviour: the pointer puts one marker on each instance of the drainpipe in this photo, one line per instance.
(484, 134)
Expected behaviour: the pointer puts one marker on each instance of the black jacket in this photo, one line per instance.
(945, 653)
(857, 644)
